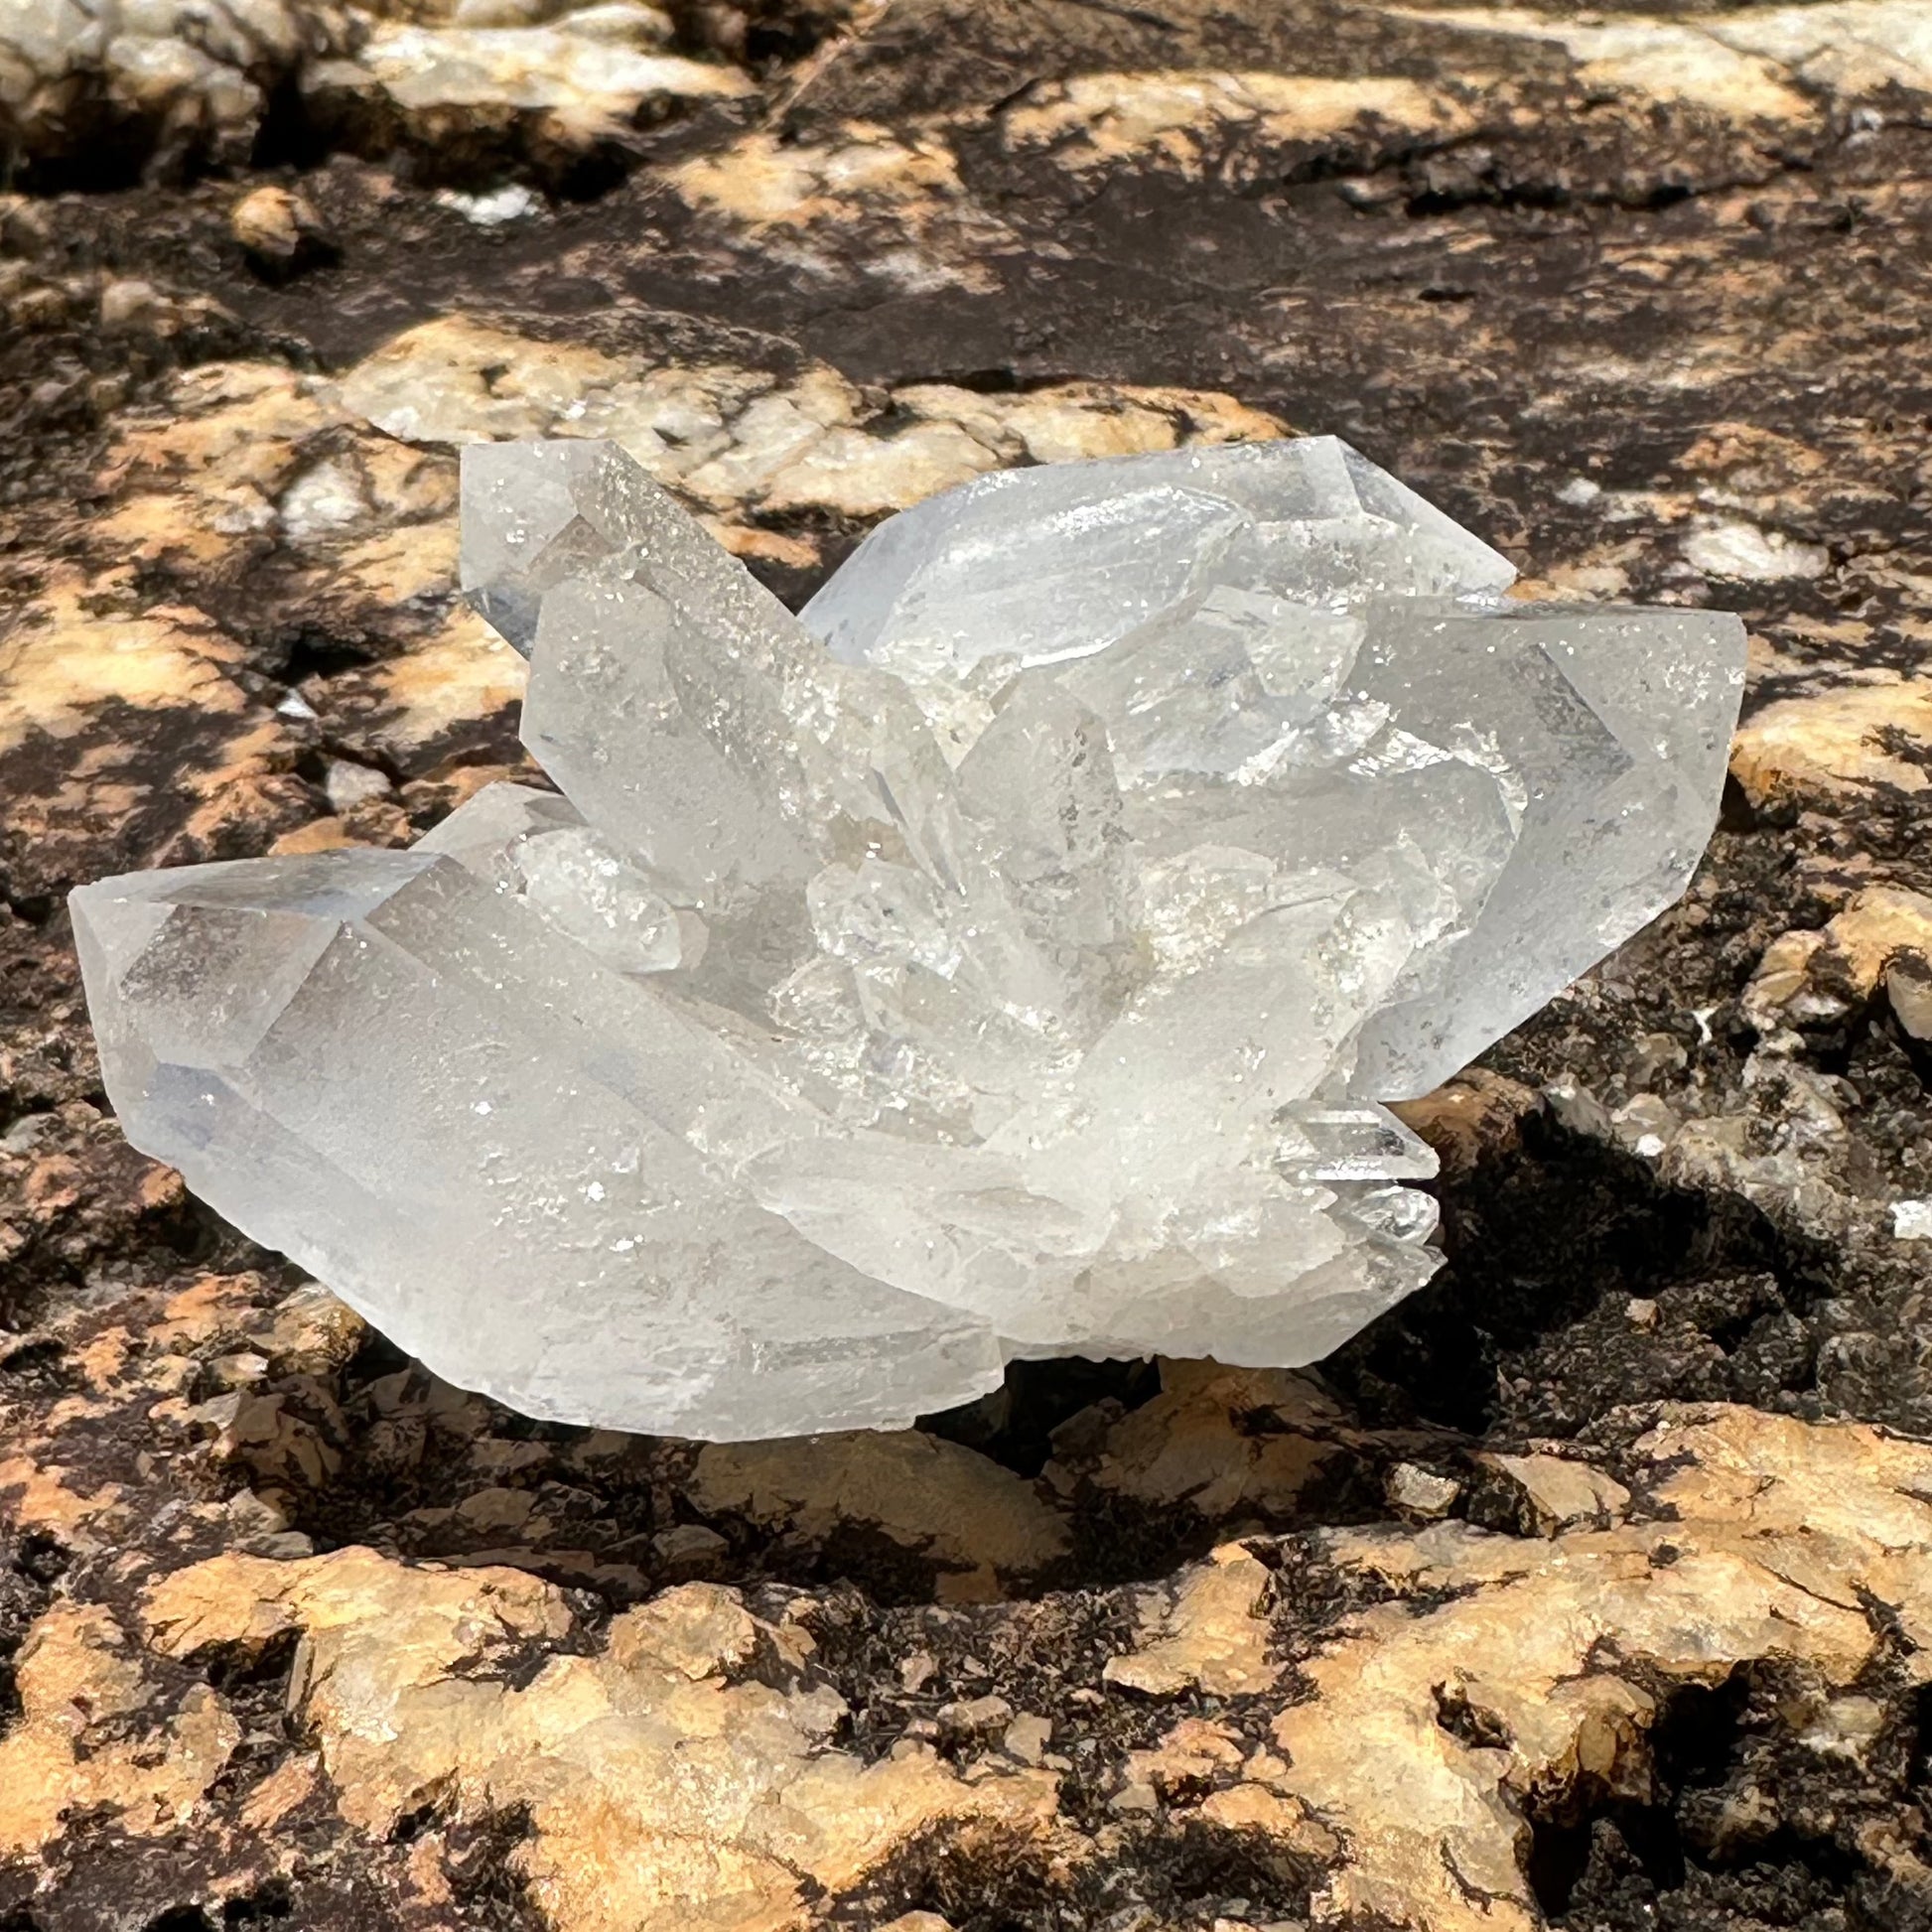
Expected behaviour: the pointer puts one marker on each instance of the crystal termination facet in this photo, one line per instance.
(1009, 956)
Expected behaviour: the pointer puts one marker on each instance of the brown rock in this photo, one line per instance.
(974, 1521)
(1477, 1113)
(1225, 1441)
(1558, 1492)
(277, 227)
(1908, 986)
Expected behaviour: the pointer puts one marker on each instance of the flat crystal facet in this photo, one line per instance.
(1009, 956)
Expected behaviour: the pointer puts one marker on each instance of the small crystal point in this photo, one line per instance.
(1009, 958)
(535, 514)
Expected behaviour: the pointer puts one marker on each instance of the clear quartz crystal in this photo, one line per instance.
(1009, 956)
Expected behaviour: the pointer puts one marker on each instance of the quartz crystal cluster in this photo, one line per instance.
(1008, 956)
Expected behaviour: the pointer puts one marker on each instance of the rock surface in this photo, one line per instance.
(1610, 1542)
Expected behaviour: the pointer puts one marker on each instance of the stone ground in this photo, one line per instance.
(1591, 1588)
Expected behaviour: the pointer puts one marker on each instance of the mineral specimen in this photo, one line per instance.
(1007, 957)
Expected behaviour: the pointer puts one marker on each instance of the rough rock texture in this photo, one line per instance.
(1610, 1542)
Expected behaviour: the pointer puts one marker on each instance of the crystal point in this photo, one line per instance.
(1008, 957)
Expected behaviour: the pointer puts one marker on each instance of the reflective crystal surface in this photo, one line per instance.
(1009, 956)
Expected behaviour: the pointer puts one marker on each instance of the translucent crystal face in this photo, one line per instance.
(1008, 956)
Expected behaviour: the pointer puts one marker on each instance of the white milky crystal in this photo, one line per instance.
(1009, 956)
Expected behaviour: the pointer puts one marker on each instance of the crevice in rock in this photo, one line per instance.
(182, 1919)
(485, 1886)
(1590, 1840)
(104, 149)
(1469, 1722)
(1015, 1424)
(34, 1567)
(270, 1903)
(1743, 1822)
(289, 134)
(1178, 1873)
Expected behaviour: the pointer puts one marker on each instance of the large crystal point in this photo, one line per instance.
(1007, 958)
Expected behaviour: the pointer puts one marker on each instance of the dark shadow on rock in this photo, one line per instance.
(1528, 1327)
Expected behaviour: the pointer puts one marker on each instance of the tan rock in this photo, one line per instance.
(1734, 74)
(1908, 986)
(1283, 1822)
(319, 835)
(1755, 462)
(1197, 1442)
(1883, 934)
(765, 182)
(1416, 1491)
(210, 1312)
(1183, 118)
(1780, 989)
(308, 1333)
(1028, 1737)
(959, 1509)
(621, 19)
(1067, 421)
(496, 1508)
(457, 679)
(860, 475)
(1188, 1759)
(275, 225)
(974, 1717)
(1560, 1493)
(577, 88)
(65, 657)
(35, 1495)
(1833, 744)
(697, 1631)
(75, 1673)
(1779, 1528)
(736, 440)
(1844, 1726)
(286, 1787)
(661, 1793)
(454, 381)
(1877, 926)
(1203, 1632)
(1730, 548)
(198, 477)
(1759, 62)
